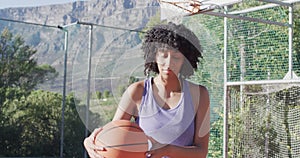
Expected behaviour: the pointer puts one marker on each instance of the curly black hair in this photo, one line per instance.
(176, 37)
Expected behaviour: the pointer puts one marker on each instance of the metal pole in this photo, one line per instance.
(64, 95)
(277, 2)
(225, 122)
(66, 33)
(88, 84)
(291, 42)
(246, 18)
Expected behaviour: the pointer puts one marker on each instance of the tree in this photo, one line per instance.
(154, 20)
(106, 94)
(31, 125)
(98, 95)
(30, 120)
(18, 67)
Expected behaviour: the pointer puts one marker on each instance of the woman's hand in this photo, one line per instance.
(160, 151)
(91, 147)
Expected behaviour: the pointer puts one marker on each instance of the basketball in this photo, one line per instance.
(122, 139)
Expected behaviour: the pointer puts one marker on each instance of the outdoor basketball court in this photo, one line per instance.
(250, 67)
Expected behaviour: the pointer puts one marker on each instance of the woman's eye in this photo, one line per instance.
(177, 58)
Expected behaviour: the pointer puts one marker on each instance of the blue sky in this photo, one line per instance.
(30, 3)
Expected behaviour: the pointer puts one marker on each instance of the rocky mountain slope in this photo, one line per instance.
(112, 41)
(95, 11)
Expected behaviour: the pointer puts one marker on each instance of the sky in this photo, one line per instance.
(31, 3)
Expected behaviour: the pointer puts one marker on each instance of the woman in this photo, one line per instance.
(173, 112)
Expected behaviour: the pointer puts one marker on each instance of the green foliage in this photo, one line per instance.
(251, 128)
(98, 95)
(30, 125)
(154, 20)
(121, 90)
(35, 119)
(296, 39)
(74, 127)
(259, 52)
(215, 148)
(253, 53)
(108, 108)
(18, 68)
(132, 79)
(30, 120)
(106, 94)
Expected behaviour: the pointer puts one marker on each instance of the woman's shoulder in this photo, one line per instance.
(137, 85)
(198, 91)
(196, 87)
(200, 95)
(136, 89)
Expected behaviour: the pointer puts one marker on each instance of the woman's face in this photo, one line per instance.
(169, 61)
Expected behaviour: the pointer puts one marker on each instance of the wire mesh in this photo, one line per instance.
(264, 124)
(262, 116)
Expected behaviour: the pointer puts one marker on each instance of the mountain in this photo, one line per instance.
(94, 11)
(113, 42)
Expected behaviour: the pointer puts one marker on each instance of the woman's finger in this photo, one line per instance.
(91, 147)
(89, 144)
(95, 132)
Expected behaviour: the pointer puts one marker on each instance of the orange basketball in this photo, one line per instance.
(122, 139)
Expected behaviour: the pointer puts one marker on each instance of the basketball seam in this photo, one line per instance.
(121, 126)
(133, 144)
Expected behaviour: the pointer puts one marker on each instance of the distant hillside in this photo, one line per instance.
(111, 47)
(95, 11)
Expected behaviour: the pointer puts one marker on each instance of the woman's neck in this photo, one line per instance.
(169, 85)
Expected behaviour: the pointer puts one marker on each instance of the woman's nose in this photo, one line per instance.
(168, 60)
